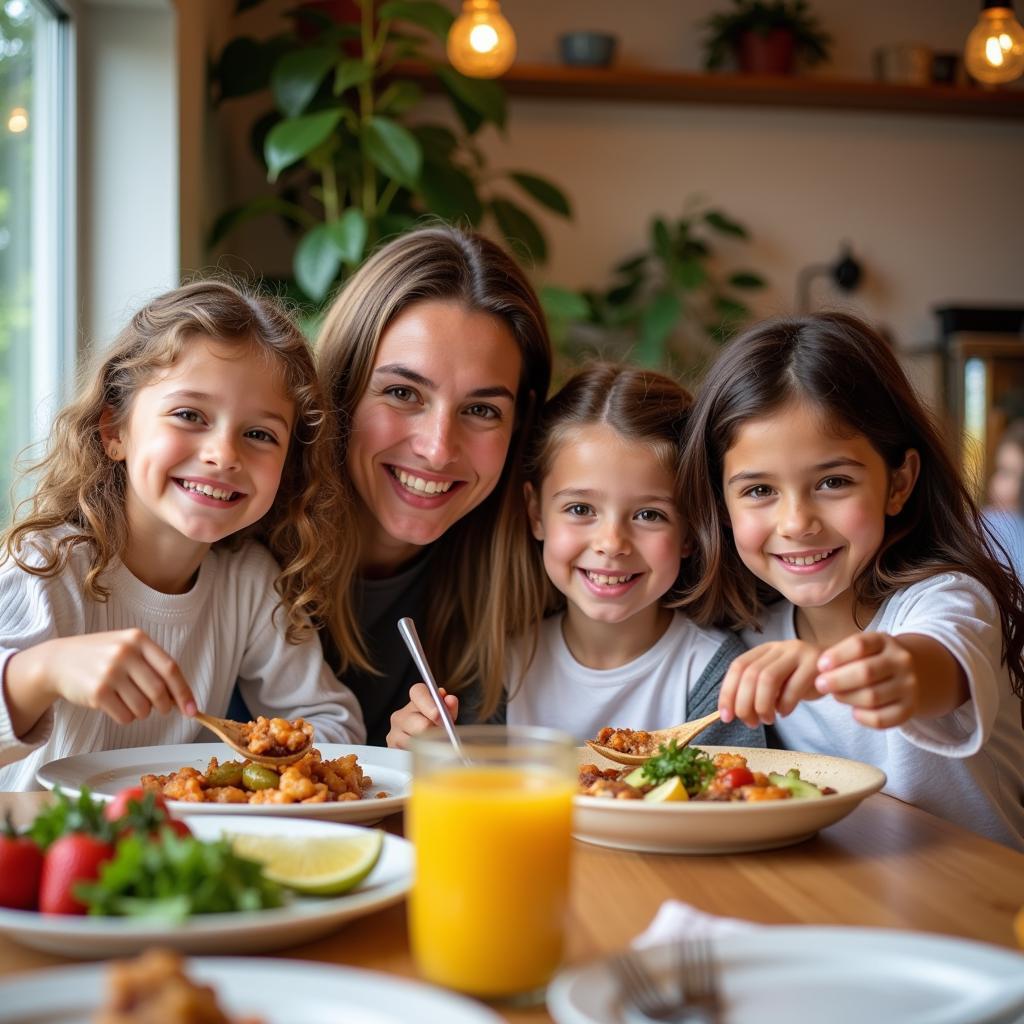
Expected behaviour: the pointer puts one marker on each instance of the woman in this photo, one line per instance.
(436, 355)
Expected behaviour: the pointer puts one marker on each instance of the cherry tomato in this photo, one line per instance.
(176, 825)
(118, 807)
(736, 777)
(21, 863)
(73, 858)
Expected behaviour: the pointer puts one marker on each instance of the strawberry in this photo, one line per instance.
(21, 863)
(73, 858)
(122, 802)
(137, 810)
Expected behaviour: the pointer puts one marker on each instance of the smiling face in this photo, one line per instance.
(204, 446)
(430, 436)
(808, 508)
(612, 534)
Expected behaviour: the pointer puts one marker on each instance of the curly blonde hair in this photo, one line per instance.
(78, 485)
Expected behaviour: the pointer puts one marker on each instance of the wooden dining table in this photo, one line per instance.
(886, 865)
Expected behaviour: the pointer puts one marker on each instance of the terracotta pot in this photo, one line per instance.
(770, 54)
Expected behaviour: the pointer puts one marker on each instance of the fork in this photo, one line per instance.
(694, 999)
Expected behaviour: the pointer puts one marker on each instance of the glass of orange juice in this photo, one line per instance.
(493, 832)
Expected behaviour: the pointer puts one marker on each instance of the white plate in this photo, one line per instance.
(303, 920)
(804, 975)
(108, 771)
(707, 827)
(277, 991)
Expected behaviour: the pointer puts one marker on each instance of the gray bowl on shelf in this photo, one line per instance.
(587, 49)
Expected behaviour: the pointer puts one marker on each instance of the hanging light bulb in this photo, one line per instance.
(481, 42)
(994, 53)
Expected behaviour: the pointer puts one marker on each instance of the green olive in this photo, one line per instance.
(255, 776)
(227, 774)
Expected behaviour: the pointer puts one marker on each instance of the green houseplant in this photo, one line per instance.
(351, 155)
(666, 302)
(765, 36)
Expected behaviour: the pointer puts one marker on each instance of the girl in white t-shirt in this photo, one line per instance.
(613, 539)
(815, 475)
(135, 582)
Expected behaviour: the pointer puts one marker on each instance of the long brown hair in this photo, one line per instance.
(469, 624)
(843, 367)
(81, 487)
(640, 405)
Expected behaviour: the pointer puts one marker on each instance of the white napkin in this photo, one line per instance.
(677, 920)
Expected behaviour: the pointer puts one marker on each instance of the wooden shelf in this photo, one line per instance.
(647, 86)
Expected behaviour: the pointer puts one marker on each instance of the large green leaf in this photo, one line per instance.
(393, 149)
(563, 304)
(399, 97)
(234, 217)
(349, 233)
(543, 191)
(351, 72)
(689, 274)
(662, 240)
(244, 67)
(730, 308)
(520, 229)
(432, 16)
(726, 225)
(450, 193)
(659, 320)
(746, 279)
(317, 262)
(437, 141)
(293, 138)
(487, 98)
(297, 76)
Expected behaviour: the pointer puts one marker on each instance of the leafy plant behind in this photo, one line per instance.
(350, 164)
(665, 296)
(763, 16)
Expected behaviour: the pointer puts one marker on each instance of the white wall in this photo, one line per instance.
(930, 204)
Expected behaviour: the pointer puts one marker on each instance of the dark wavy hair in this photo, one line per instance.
(840, 365)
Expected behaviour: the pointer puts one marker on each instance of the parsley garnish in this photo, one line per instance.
(691, 764)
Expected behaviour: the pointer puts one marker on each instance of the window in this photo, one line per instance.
(34, 218)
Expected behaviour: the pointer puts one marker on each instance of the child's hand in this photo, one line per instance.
(419, 714)
(874, 673)
(123, 674)
(769, 679)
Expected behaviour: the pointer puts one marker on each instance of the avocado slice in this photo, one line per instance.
(637, 777)
(797, 786)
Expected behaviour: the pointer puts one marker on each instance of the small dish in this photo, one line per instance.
(587, 49)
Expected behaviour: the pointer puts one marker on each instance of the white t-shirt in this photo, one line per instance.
(220, 631)
(967, 766)
(651, 692)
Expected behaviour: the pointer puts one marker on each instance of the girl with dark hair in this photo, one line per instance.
(831, 521)
(610, 549)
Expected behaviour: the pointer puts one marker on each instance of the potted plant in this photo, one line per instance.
(766, 37)
(350, 153)
(667, 306)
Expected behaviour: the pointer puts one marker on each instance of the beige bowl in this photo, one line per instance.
(699, 827)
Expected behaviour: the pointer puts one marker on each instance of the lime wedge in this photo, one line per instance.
(673, 789)
(319, 865)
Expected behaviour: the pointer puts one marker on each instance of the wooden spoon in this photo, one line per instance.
(682, 734)
(231, 733)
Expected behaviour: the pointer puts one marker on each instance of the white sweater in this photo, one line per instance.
(219, 632)
(967, 766)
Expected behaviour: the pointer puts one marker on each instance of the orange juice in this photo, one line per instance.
(487, 911)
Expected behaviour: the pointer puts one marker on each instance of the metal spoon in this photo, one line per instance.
(231, 733)
(412, 640)
(682, 734)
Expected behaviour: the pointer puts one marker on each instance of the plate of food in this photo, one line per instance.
(334, 782)
(230, 990)
(121, 923)
(803, 975)
(709, 799)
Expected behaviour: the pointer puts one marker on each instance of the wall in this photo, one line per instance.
(930, 204)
